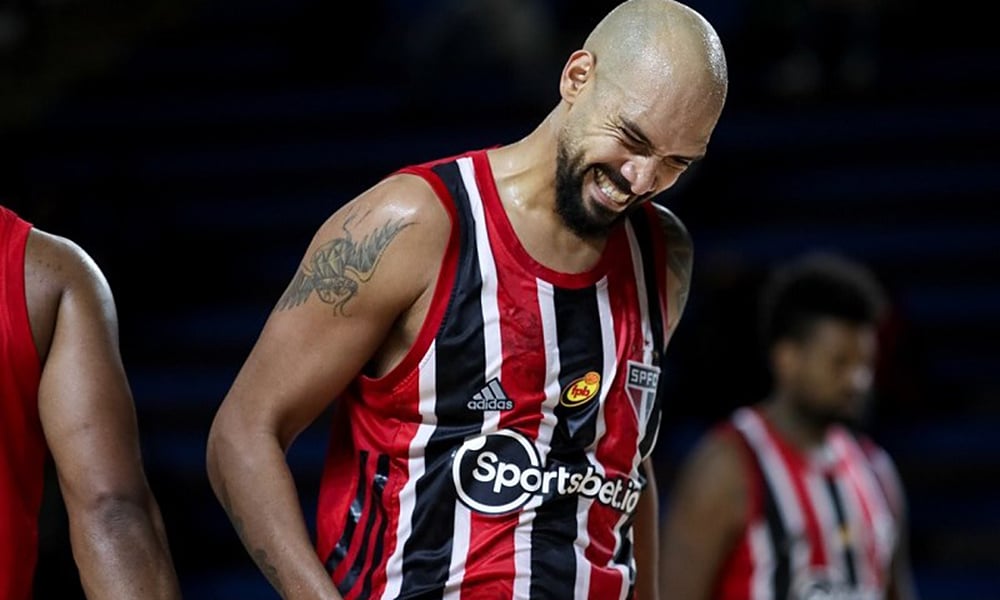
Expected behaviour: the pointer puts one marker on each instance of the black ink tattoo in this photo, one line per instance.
(338, 267)
(259, 555)
(269, 570)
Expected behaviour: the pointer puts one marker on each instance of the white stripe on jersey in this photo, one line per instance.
(642, 415)
(777, 475)
(641, 292)
(493, 359)
(581, 589)
(883, 520)
(826, 514)
(610, 368)
(488, 293)
(459, 552)
(415, 470)
(543, 441)
(763, 561)
(858, 531)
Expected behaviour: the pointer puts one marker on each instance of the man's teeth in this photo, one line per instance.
(609, 188)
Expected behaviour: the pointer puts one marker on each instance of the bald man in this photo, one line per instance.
(488, 328)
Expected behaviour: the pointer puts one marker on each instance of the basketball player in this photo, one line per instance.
(489, 328)
(64, 394)
(788, 499)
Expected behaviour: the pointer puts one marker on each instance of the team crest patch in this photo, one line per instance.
(640, 382)
(581, 390)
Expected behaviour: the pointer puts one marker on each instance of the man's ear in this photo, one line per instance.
(578, 70)
(785, 357)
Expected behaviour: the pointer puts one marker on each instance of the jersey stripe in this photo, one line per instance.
(543, 440)
(476, 536)
(649, 278)
(837, 489)
(340, 551)
(415, 470)
(578, 331)
(783, 513)
(428, 550)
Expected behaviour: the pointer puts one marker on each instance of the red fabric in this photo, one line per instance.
(22, 446)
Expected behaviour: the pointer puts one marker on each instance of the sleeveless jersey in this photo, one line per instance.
(501, 457)
(820, 525)
(22, 445)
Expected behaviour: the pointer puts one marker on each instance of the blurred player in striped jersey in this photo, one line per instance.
(788, 498)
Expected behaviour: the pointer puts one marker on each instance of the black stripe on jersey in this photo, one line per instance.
(460, 373)
(624, 555)
(353, 516)
(843, 530)
(554, 529)
(374, 502)
(781, 543)
(581, 350)
(378, 487)
(645, 227)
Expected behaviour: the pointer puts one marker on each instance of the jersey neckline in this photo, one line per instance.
(497, 216)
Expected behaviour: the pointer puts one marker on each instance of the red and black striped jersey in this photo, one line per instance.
(820, 524)
(501, 457)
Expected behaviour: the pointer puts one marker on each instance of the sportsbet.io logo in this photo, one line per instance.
(497, 473)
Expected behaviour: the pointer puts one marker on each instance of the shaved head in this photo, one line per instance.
(659, 41)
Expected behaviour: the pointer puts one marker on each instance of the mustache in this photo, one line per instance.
(620, 182)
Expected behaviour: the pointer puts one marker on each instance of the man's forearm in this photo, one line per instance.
(255, 486)
(121, 551)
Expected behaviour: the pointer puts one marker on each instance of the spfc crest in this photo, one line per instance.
(641, 381)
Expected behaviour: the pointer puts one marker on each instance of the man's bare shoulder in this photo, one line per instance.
(54, 263)
(55, 267)
(712, 483)
(674, 230)
(680, 261)
(411, 196)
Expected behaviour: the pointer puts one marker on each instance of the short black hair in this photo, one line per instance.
(814, 286)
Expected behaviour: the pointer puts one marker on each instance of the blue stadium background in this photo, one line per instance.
(192, 147)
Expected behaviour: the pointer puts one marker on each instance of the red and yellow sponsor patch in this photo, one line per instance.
(581, 390)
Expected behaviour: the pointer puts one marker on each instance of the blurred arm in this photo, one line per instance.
(706, 515)
(645, 531)
(366, 266)
(89, 420)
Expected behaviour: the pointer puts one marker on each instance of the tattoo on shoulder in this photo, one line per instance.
(680, 254)
(338, 267)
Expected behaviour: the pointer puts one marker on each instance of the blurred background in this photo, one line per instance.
(193, 147)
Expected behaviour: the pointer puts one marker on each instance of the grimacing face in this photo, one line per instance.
(624, 143)
(833, 372)
(583, 216)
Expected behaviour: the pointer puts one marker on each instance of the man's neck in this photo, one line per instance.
(802, 432)
(525, 173)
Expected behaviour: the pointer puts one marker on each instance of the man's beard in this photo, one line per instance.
(824, 417)
(593, 221)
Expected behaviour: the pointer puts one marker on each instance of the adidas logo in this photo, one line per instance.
(491, 397)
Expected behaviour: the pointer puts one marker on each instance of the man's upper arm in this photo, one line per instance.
(707, 510)
(364, 268)
(680, 260)
(84, 399)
